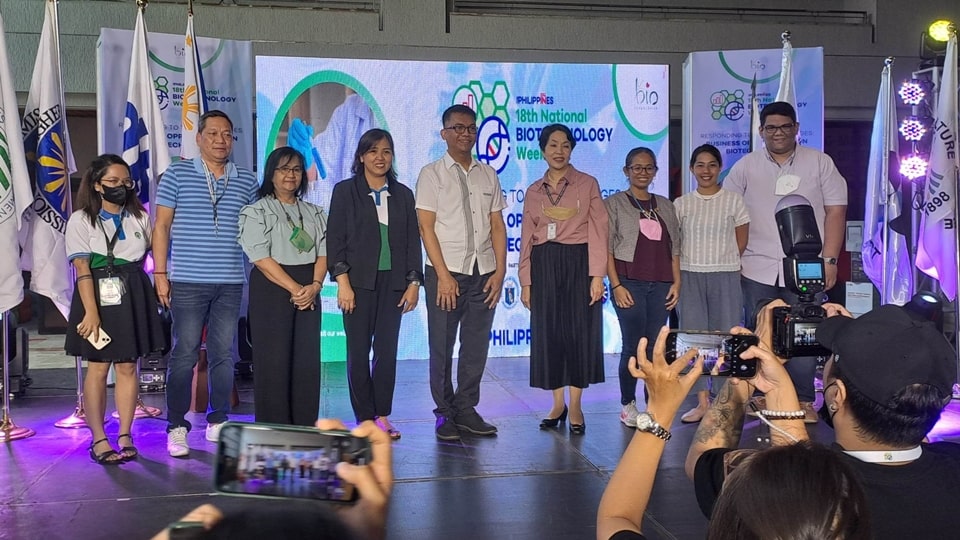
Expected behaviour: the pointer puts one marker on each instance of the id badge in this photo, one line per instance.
(551, 231)
(301, 240)
(111, 291)
(651, 229)
(787, 184)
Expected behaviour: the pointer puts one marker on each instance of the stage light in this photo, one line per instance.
(939, 30)
(913, 167)
(912, 129)
(926, 306)
(911, 92)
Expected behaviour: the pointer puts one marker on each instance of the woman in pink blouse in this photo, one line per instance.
(562, 264)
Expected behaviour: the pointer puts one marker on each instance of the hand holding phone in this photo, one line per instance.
(98, 339)
(721, 351)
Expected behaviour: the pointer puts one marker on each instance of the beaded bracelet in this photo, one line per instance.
(617, 285)
(783, 415)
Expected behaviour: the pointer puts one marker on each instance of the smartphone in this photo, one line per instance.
(720, 351)
(270, 460)
(102, 339)
(186, 530)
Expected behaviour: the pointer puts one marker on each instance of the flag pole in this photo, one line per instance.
(885, 178)
(9, 431)
(952, 32)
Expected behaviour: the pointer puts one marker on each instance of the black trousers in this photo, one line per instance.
(286, 351)
(375, 321)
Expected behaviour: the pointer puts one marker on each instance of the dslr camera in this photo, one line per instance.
(795, 327)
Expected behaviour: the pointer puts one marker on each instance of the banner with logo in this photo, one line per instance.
(322, 106)
(716, 99)
(228, 77)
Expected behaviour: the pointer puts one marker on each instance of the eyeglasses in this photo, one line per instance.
(460, 129)
(297, 171)
(642, 169)
(113, 181)
(785, 128)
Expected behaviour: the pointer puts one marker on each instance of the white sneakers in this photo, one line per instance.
(628, 414)
(177, 442)
(213, 432)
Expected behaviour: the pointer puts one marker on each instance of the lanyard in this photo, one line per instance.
(111, 242)
(648, 214)
(546, 188)
(211, 188)
(289, 219)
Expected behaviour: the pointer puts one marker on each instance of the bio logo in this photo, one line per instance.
(726, 104)
(493, 137)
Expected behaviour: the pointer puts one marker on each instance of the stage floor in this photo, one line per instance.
(522, 484)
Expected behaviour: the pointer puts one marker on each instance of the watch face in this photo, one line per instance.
(645, 422)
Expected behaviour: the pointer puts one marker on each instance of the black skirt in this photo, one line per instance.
(134, 326)
(566, 333)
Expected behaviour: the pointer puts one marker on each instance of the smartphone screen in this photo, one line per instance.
(287, 461)
(717, 349)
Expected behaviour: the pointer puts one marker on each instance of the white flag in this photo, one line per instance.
(194, 95)
(15, 192)
(144, 139)
(47, 146)
(886, 257)
(787, 91)
(937, 249)
(756, 141)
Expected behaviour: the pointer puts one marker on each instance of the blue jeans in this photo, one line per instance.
(644, 319)
(802, 369)
(194, 305)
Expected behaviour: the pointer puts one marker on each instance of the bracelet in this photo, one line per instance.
(159, 273)
(783, 415)
(617, 285)
(318, 282)
(83, 277)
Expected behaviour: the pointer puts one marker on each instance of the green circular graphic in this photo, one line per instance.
(642, 136)
(321, 77)
(175, 69)
(726, 66)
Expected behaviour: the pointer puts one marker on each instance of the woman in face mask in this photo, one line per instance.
(113, 316)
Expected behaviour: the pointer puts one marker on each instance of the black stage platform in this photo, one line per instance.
(522, 484)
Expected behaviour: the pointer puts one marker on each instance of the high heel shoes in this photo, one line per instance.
(578, 429)
(108, 457)
(548, 423)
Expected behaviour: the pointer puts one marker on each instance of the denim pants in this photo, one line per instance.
(802, 369)
(644, 319)
(194, 305)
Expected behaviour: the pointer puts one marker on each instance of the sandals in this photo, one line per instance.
(105, 457)
(391, 431)
(129, 453)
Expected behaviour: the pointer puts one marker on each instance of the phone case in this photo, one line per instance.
(102, 340)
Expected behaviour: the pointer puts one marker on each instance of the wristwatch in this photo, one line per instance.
(646, 422)
(414, 282)
(830, 260)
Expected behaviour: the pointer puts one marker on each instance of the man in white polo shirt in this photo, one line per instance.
(763, 177)
(459, 204)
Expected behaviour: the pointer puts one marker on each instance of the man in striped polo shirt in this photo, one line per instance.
(199, 271)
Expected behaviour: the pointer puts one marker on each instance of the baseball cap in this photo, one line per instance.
(886, 350)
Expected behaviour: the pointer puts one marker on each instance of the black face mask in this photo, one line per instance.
(824, 411)
(116, 195)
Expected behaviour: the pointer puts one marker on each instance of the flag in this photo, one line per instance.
(886, 256)
(937, 249)
(787, 91)
(756, 141)
(48, 152)
(194, 95)
(15, 192)
(144, 139)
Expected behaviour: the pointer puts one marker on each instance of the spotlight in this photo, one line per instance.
(911, 92)
(926, 306)
(913, 167)
(939, 30)
(912, 129)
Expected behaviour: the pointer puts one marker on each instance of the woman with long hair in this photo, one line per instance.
(375, 257)
(113, 317)
(285, 238)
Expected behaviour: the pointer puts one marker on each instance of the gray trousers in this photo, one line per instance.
(710, 301)
(474, 320)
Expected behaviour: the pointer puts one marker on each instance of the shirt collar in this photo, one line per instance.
(230, 171)
(789, 160)
(449, 162)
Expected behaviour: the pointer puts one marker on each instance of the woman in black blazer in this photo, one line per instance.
(373, 253)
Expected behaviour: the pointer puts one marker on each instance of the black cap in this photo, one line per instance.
(884, 351)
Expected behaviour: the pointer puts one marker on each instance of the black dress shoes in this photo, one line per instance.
(548, 423)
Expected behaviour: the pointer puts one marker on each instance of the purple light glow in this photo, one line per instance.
(913, 167)
(949, 425)
(911, 93)
(912, 129)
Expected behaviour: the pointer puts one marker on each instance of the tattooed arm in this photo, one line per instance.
(722, 425)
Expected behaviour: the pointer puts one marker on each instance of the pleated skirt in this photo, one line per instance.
(134, 326)
(566, 333)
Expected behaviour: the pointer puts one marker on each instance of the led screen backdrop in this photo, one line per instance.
(329, 103)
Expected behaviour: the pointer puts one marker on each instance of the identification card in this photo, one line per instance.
(111, 291)
(551, 231)
(787, 184)
(301, 240)
(651, 229)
